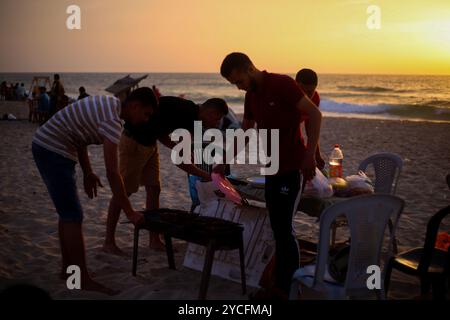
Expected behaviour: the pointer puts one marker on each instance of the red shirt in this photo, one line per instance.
(273, 106)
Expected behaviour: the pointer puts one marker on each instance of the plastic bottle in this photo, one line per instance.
(335, 163)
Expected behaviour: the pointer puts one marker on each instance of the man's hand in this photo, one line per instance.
(90, 182)
(309, 167)
(320, 162)
(206, 177)
(136, 218)
(220, 169)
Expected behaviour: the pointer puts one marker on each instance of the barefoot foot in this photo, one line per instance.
(91, 285)
(114, 249)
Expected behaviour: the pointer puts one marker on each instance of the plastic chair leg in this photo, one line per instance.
(135, 250)
(206, 274)
(242, 263)
(387, 276)
(169, 251)
(425, 285)
(394, 239)
(439, 289)
(333, 234)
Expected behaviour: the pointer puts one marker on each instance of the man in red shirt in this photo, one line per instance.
(307, 81)
(275, 101)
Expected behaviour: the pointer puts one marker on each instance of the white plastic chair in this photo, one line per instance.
(387, 168)
(367, 218)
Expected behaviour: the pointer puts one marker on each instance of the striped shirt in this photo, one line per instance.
(87, 121)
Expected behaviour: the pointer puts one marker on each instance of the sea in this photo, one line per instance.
(404, 97)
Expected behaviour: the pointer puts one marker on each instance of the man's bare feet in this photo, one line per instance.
(137, 218)
(114, 249)
(64, 276)
(155, 242)
(90, 285)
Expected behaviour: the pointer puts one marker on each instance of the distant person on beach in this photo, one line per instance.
(15, 91)
(32, 108)
(62, 141)
(307, 80)
(56, 95)
(156, 91)
(275, 101)
(3, 90)
(139, 155)
(83, 93)
(20, 92)
(43, 108)
(10, 92)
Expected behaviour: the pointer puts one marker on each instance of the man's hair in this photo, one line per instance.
(307, 77)
(42, 89)
(143, 95)
(218, 104)
(234, 61)
(56, 76)
(82, 89)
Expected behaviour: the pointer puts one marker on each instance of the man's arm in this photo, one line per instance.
(246, 124)
(90, 179)
(189, 168)
(83, 158)
(110, 151)
(319, 160)
(165, 140)
(307, 107)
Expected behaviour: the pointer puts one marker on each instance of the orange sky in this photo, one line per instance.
(194, 36)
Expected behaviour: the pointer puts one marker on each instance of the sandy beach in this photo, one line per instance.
(28, 221)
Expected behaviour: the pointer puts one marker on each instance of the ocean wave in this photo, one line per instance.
(343, 107)
(437, 104)
(374, 89)
(404, 111)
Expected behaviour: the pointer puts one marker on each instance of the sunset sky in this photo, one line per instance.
(329, 36)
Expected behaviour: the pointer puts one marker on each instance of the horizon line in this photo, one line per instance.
(200, 72)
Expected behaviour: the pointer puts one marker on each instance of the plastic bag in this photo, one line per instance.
(207, 191)
(318, 187)
(359, 184)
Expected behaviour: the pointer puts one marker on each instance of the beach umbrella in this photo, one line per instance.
(124, 84)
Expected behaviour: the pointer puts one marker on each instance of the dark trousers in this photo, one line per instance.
(282, 197)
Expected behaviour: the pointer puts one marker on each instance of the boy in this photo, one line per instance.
(139, 155)
(61, 141)
(307, 81)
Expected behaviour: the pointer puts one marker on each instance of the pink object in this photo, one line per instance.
(227, 188)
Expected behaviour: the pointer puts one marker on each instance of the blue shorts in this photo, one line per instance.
(58, 173)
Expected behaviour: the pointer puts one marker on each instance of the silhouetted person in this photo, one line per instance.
(56, 95)
(83, 93)
(20, 92)
(307, 81)
(156, 91)
(43, 106)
